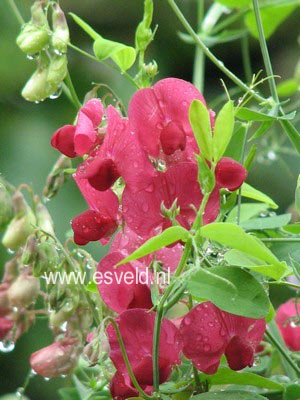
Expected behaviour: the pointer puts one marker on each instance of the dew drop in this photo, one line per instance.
(135, 164)
(63, 376)
(293, 324)
(57, 52)
(47, 379)
(20, 392)
(6, 346)
(211, 324)
(63, 327)
(206, 348)
(150, 188)
(32, 56)
(145, 207)
(187, 320)
(271, 155)
(56, 94)
(33, 373)
(10, 251)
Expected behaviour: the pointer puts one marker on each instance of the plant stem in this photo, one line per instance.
(246, 58)
(73, 93)
(210, 55)
(16, 12)
(199, 61)
(126, 360)
(284, 353)
(155, 350)
(280, 239)
(265, 52)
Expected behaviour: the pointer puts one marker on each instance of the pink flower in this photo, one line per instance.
(159, 116)
(128, 241)
(142, 209)
(207, 333)
(101, 220)
(136, 327)
(57, 359)
(286, 317)
(119, 155)
(79, 139)
(230, 174)
(124, 287)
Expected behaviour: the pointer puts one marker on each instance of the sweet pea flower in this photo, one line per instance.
(230, 174)
(101, 220)
(126, 286)
(286, 317)
(136, 327)
(77, 140)
(206, 333)
(160, 118)
(142, 209)
(119, 155)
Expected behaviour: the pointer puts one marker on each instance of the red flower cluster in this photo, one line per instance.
(287, 319)
(138, 171)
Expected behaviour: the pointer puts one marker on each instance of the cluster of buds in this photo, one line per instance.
(48, 46)
(18, 291)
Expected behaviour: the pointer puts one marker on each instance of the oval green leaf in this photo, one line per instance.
(223, 130)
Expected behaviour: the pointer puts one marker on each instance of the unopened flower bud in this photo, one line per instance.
(11, 270)
(6, 325)
(57, 177)
(44, 220)
(57, 72)
(57, 359)
(60, 37)
(6, 206)
(47, 258)
(30, 250)
(36, 88)
(20, 227)
(97, 349)
(35, 35)
(151, 69)
(23, 291)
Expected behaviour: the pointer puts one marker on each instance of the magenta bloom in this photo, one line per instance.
(286, 316)
(159, 116)
(57, 359)
(128, 241)
(119, 155)
(101, 220)
(142, 209)
(79, 139)
(230, 174)
(207, 333)
(136, 327)
(124, 287)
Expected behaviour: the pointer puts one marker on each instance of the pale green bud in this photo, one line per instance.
(23, 291)
(32, 38)
(44, 220)
(60, 37)
(6, 206)
(57, 72)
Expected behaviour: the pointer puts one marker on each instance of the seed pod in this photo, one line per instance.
(44, 220)
(57, 359)
(57, 71)
(23, 291)
(60, 37)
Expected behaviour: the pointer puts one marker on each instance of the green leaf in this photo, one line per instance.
(92, 287)
(272, 16)
(223, 130)
(204, 284)
(249, 298)
(124, 56)
(254, 194)
(86, 27)
(292, 134)
(234, 236)
(167, 237)
(246, 114)
(200, 122)
(262, 129)
(240, 259)
(225, 376)
(287, 88)
(247, 211)
(69, 394)
(236, 145)
(206, 177)
(228, 395)
(266, 223)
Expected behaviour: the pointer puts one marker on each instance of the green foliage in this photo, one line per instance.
(200, 122)
(228, 395)
(167, 237)
(249, 298)
(246, 114)
(254, 194)
(223, 130)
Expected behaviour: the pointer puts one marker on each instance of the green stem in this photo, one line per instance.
(73, 93)
(283, 351)
(126, 360)
(210, 55)
(246, 58)
(199, 62)
(265, 52)
(86, 54)
(155, 349)
(16, 12)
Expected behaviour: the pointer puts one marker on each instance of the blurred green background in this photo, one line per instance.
(26, 128)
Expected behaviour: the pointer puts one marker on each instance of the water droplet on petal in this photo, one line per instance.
(150, 188)
(187, 320)
(207, 348)
(145, 207)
